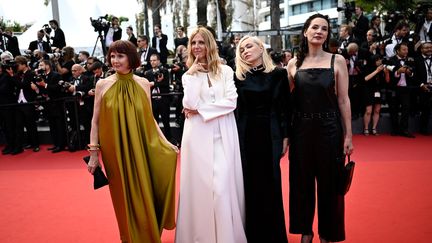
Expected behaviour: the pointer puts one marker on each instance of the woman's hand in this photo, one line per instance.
(348, 146)
(189, 113)
(93, 163)
(196, 67)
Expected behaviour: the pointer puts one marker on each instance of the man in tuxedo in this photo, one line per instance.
(25, 114)
(360, 25)
(159, 42)
(356, 62)
(11, 42)
(144, 52)
(423, 75)
(7, 97)
(40, 44)
(48, 84)
(159, 79)
(401, 84)
(345, 38)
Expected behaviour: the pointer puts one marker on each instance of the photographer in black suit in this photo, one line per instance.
(40, 44)
(49, 84)
(423, 75)
(25, 114)
(401, 84)
(159, 79)
(7, 97)
(112, 32)
(59, 39)
(159, 42)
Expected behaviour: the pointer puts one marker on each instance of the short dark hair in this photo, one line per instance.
(144, 37)
(155, 55)
(97, 64)
(54, 21)
(125, 47)
(21, 60)
(85, 53)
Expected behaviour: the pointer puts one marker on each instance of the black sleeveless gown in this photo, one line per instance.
(316, 154)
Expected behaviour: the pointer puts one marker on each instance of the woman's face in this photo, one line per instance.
(251, 52)
(317, 31)
(199, 49)
(120, 62)
(378, 62)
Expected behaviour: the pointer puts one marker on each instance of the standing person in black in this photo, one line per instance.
(159, 79)
(321, 134)
(360, 25)
(131, 36)
(25, 114)
(159, 42)
(59, 39)
(181, 38)
(263, 125)
(50, 87)
(7, 97)
(401, 83)
(423, 75)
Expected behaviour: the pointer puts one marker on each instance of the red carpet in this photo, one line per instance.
(48, 197)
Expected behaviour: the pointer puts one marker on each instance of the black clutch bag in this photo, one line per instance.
(346, 176)
(99, 177)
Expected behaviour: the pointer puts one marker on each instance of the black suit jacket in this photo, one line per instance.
(23, 81)
(133, 39)
(360, 29)
(420, 72)
(162, 85)
(12, 45)
(59, 39)
(162, 46)
(394, 61)
(34, 45)
(151, 51)
(7, 89)
(419, 27)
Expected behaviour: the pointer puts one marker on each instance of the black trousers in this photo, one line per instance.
(400, 101)
(55, 112)
(7, 124)
(315, 165)
(425, 106)
(161, 106)
(25, 116)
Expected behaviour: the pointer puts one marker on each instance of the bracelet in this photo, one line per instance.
(93, 150)
(93, 145)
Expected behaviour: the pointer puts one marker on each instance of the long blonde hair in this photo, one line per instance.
(213, 60)
(242, 66)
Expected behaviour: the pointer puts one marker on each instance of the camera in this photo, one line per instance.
(54, 55)
(348, 9)
(39, 75)
(47, 28)
(64, 86)
(100, 24)
(8, 64)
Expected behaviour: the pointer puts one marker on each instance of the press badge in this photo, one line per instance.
(377, 94)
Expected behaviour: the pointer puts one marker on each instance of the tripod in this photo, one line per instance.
(101, 38)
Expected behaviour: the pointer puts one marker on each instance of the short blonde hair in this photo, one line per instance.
(242, 66)
(213, 60)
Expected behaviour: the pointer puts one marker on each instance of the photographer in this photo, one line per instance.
(360, 25)
(423, 75)
(7, 97)
(159, 42)
(112, 32)
(159, 79)
(400, 35)
(11, 44)
(400, 98)
(64, 62)
(356, 62)
(40, 44)
(58, 38)
(25, 114)
(178, 69)
(49, 84)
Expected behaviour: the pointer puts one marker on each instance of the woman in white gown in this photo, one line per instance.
(211, 201)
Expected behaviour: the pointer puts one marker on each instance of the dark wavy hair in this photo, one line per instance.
(304, 49)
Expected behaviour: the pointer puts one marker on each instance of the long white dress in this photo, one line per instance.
(211, 201)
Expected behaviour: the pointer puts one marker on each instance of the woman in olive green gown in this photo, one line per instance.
(140, 163)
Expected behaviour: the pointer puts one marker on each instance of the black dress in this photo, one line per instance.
(316, 154)
(262, 123)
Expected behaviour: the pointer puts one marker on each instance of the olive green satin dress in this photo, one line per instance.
(140, 166)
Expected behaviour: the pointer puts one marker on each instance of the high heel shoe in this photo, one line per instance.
(374, 132)
(366, 132)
